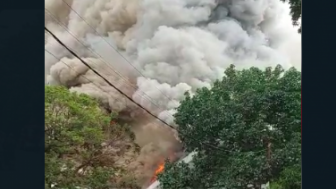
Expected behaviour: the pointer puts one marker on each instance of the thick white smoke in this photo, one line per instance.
(182, 45)
(166, 47)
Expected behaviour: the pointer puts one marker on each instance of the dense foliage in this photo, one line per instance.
(75, 129)
(246, 130)
(290, 178)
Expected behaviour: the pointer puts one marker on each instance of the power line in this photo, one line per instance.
(165, 123)
(102, 59)
(74, 54)
(108, 82)
(113, 47)
(86, 64)
(111, 83)
(74, 70)
(82, 75)
(79, 41)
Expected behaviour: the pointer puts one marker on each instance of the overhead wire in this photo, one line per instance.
(121, 92)
(79, 41)
(102, 37)
(148, 97)
(70, 68)
(116, 50)
(108, 82)
(143, 94)
(101, 58)
(74, 54)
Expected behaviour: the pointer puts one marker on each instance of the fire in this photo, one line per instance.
(160, 166)
(158, 170)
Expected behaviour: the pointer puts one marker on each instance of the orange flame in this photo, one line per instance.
(160, 167)
(158, 170)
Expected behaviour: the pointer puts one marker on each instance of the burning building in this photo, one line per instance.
(156, 50)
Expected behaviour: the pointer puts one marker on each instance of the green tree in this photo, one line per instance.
(75, 129)
(295, 7)
(290, 178)
(246, 130)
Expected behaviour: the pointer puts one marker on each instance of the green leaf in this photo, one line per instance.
(246, 130)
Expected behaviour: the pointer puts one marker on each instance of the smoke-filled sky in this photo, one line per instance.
(165, 47)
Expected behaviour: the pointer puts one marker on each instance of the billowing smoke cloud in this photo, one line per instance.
(165, 47)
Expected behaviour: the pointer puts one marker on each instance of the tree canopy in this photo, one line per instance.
(76, 130)
(245, 130)
(295, 7)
